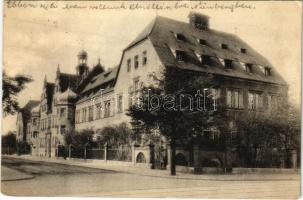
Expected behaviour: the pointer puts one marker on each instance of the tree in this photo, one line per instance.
(9, 142)
(179, 104)
(116, 135)
(12, 86)
(261, 133)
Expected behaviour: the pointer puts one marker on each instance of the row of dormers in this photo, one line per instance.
(181, 56)
(181, 37)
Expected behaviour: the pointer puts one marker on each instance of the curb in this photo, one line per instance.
(18, 179)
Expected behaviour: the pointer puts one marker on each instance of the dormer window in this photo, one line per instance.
(205, 59)
(180, 55)
(267, 71)
(180, 36)
(228, 63)
(224, 46)
(243, 50)
(202, 41)
(248, 67)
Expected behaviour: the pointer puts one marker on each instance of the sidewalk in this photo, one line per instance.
(163, 173)
(8, 174)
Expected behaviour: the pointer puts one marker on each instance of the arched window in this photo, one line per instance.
(140, 158)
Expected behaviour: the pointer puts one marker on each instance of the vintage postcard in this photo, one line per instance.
(161, 99)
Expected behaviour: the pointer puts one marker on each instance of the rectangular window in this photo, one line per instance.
(49, 123)
(267, 71)
(255, 100)
(202, 42)
(234, 98)
(35, 121)
(180, 56)
(136, 61)
(63, 130)
(98, 111)
(224, 46)
(227, 63)
(129, 65)
(83, 114)
(272, 102)
(248, 68)
(120, 103)
(180, 36)
(77, 116)
(90, 113)
(62, 112)
(205, 60)
(144, 58)
(243, 50)
(136, 84)
(107, 108)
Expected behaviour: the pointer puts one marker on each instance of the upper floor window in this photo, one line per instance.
(129, 63)
(272, 102)
(180, 55)
(136, 61)
(202, 41)
(243, 50)
(98, 110)
(77, 116)
(144, 58)
(120, 103)
(255, 100)
(224, 46)
(205, 60)
(83, 114)
(49, 122)
(136, 84)
(248, 67)
(62, 112)
(107, 108)
(267, 71)
(34, 121)
(228, 63)
(234, 98)
(90, 113)
(180, 36)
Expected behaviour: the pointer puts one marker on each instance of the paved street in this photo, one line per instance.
(53, 179)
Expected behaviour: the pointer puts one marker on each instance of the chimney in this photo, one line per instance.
(198, 21)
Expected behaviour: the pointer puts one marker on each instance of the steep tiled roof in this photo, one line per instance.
(161, 33)
(97, 69)
(101, 79)
(26, 110)
(68, 80)
(30, 105)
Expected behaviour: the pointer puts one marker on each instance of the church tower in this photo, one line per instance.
(82, 68)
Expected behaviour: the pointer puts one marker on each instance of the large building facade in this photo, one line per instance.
(95, 98)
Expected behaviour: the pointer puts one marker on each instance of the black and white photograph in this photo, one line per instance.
(151, 99)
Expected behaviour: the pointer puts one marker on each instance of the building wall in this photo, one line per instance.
(125, 80)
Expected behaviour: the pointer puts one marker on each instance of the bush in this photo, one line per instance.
(116, 135)
(23, 148)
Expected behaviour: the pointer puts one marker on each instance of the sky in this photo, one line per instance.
(37, 41)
